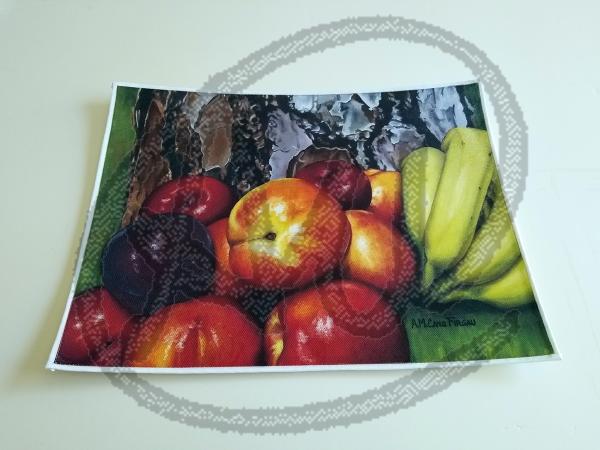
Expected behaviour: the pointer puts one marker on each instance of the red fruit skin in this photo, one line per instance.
(204, 198)
(379, 254)
(226, 283)
(208, 331)
(344, 181)
(110, 355)
(95, 319)
(386, 195)
(341, 322)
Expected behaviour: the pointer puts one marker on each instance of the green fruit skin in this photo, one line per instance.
(421, 171)
(510, 290)
(494, 249)
(463, 185)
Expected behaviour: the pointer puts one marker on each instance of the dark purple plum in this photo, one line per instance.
(157, 261)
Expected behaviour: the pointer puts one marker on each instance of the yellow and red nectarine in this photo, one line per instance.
(286, 234)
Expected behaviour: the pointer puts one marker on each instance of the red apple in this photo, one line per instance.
(342, 180)
(285, 234)
(226, 283)
(386, 197)
(341, 322)
(95, 320)
(109, 355)
(379, 254)
(204, 198)
(208, 331)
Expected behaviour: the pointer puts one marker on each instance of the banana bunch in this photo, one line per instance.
(457, 217)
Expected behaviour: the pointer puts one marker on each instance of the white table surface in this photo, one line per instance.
(57, 62)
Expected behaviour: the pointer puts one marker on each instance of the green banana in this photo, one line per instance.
(488, 202)
(421, 171)
(463, 185)
(494, 248)
(510, 290)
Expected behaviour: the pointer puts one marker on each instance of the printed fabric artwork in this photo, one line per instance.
(252, 232)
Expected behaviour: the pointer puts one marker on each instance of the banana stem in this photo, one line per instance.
(440, 289)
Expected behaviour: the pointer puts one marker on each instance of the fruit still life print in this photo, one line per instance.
(325, 231)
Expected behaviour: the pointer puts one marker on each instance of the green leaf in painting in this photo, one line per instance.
(114, 186)
(474, 331)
